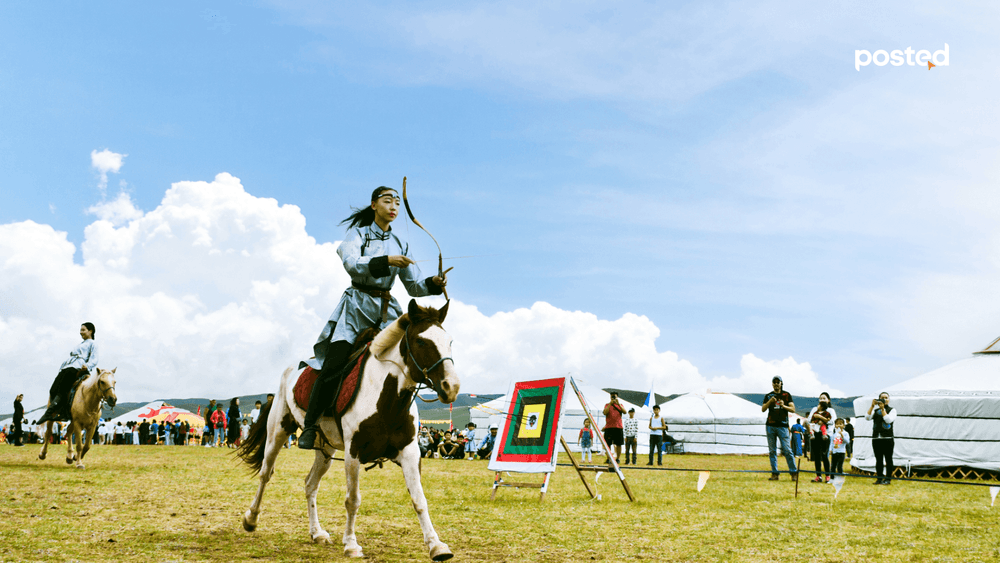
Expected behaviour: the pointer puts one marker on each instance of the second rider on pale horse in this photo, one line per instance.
(373, 256)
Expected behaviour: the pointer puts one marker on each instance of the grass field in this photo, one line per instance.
(152, 503)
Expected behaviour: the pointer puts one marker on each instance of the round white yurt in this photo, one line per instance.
(949, 417)
(716, 423)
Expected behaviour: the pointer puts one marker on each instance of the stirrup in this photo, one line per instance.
(317, 435)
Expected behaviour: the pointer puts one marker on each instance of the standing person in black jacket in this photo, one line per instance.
(18, 435)
(234, 416)
(882, 416)
(850, 432)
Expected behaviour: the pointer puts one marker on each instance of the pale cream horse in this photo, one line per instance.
(85, 412)
(380, 425)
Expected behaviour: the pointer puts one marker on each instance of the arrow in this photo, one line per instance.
(461, 257)
(930, 65)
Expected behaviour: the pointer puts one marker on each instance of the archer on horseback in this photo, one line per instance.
(82, 360)
(373, 256)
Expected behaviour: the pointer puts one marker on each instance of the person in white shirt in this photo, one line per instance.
(631, 428)
(656, 429)
(255, 413)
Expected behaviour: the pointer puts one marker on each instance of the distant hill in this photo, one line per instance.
(844, 406)
(460, 411)
(461, 405)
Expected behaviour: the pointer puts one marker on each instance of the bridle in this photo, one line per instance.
(425, 383)
(101, 390)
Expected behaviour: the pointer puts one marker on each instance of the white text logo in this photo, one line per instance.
(896, 58)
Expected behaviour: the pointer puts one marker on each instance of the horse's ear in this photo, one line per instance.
(114, 370)
(413, 309)
(443, 311)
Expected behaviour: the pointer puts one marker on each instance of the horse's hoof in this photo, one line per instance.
(69, 461)
(322, 537)
(353, 553)
(247, 525)
(80, 466)
(440, 552)
(41, 456)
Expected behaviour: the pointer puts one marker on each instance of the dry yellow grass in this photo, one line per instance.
(184, 504)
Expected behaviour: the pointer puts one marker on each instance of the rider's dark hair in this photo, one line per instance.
(362, 217)
(93, 331)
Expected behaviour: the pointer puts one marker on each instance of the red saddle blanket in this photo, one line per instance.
(349, 385)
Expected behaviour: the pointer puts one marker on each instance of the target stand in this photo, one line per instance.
(526, 442)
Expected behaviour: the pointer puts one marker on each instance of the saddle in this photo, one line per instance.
(349, 378)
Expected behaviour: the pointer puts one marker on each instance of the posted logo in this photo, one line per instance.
(897, 58)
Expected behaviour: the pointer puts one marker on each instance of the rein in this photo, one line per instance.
(426, 383)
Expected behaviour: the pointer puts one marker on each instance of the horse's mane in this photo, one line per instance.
(392, 334)
(387, 338)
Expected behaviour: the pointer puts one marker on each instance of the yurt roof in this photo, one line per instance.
(711, 406)
(157, 410)
(981, 372)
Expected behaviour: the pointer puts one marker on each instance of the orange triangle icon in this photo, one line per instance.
(930, 65)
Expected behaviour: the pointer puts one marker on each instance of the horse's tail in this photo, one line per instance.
(251, 451)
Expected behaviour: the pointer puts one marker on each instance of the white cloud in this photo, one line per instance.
(104, 162)
(117, 212)
(215, 292)
(756, 374)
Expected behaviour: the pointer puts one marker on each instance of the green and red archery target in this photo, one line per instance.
(528, 437)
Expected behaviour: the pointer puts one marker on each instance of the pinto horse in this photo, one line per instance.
(85, 412)
(380, 424)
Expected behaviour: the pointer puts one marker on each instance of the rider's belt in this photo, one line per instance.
(378, 292)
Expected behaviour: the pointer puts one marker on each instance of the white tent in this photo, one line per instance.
(159, 411)
(492, 412)
(716, 423)
(946, 417)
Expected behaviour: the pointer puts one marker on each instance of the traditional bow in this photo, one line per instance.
(409, 212)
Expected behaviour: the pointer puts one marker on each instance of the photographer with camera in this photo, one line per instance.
(882, 417)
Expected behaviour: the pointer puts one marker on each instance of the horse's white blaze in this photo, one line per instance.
(450, 383)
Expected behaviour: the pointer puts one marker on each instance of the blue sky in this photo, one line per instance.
(716, 181)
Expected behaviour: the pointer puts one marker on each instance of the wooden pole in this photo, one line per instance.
(577, 467)
(798, 475)
(614, 462)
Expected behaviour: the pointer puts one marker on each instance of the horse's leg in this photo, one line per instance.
(276, 437)
(82, 451)
(321, 464)
(352, 468)
(45, 441)
(410, 462)
(70, 431)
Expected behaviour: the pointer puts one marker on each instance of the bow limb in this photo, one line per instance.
(409, 212)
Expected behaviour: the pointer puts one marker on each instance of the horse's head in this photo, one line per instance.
(426, 348)
(106, 386)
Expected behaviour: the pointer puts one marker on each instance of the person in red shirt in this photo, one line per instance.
(614, 435)
(219, 424)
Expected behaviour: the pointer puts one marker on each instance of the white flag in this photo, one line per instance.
(702, 479)
(837, 482)
(993, 494)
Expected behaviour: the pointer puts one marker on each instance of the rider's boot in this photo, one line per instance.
(55, 406)
(323, 391)
(320, 398)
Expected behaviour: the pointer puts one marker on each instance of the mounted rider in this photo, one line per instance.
(82, 361)
(373, 256)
